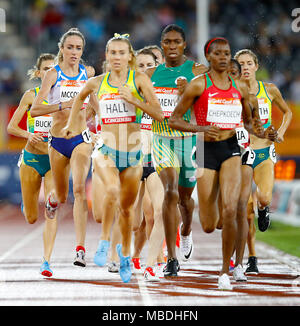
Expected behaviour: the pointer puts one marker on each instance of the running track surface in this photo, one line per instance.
(21, 251)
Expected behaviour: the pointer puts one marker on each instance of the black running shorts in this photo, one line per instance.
(216, 152)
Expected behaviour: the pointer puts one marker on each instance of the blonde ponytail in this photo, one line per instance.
(43, 57)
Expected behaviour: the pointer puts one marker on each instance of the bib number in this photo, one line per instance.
(242, 136)
(248, 156)
(263, 110)
(224, 113)
(114, 110)
(168, 98)
(272, 153)
(20, 159)
(86, 136)
(49, 139)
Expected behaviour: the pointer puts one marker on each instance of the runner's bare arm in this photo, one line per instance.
(277, 99)
(90, 87)
(151, 104)
(193, 90)
(250, 111)
(38, 108)
(13, 126)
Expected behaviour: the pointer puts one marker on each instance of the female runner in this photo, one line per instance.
(34, 161)
(265, 156)
(172, 149)
(119, 163)
(60, 85)
(219, 104)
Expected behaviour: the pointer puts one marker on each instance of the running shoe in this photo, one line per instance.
(113, 267)
(186, 246)
(231, 265)
(22, 208)
(51, 207)
(263, 219)
(125, 270)
(252, 266)
(172, 267)
(238, 274)
(80, 258)
(45, 269)
(224, 282)
(149, 275)
(100, 257)
(159, 270)
(136, 264)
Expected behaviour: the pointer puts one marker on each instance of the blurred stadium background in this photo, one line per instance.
(265, 26)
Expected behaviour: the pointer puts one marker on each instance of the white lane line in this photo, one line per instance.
(147, 301)
(28, 238)
(280, 256)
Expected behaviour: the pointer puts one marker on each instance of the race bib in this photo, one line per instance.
(168, 98)
(224, 112)
(42, 125)
(86, 136)
(242, 136)
(146, 122)
(248, 156)
(70, 88)
(20, 160)
(115, 110)
(272, 154)
(263, 110)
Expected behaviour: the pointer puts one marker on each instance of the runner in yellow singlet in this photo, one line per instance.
(34, 161)
(265, 156)
(123, 94)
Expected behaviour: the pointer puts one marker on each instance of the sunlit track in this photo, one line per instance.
(197, 283)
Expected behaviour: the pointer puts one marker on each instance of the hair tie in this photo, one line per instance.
(214, 39)
(117, 35)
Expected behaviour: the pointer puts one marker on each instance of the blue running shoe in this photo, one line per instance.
(45, 269)
(22, 208)
(125, 270)
(101, 253)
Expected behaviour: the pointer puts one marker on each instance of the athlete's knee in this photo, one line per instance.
(265, 199)
(208, 228)
(31, 218)
(79, 190)
(171, 195)
(126, 212)
(208, 224)
(97, 216)
(112, 192)
(62, 197)
(229, 211)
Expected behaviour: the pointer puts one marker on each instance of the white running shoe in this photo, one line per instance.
(149, 275)
(113, 267)
(224, 282)
(51, 207)
(80, 258)
(159, 270)
(238, 274)
(186, 246)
